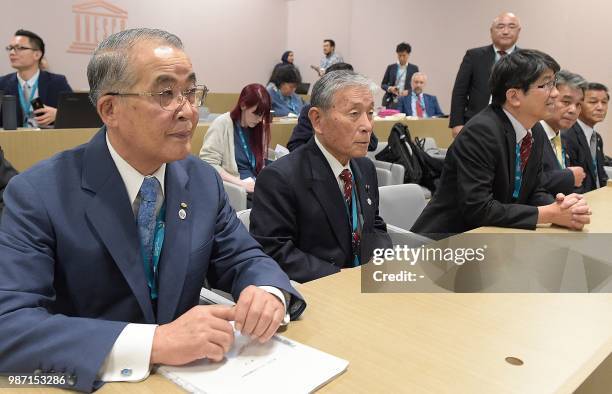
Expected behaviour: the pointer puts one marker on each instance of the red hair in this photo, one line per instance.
(255, 95)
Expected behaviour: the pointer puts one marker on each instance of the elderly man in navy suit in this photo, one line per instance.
(105, 247)
(417, 103)
(26, 52)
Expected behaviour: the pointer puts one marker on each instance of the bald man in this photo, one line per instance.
(418, 103)
(471, 92)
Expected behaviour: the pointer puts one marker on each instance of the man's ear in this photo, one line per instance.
(513, 97)
(315, 115)
(108, 110)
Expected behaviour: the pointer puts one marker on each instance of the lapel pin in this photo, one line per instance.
(183, 205)
(182, 214)
(367, 188)
(369, 201)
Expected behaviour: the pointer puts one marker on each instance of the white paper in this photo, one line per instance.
(279, 366)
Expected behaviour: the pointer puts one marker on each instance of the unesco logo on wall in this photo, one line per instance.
(94, 21)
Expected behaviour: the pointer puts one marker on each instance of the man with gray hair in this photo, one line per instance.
(105, 247)
(557, 175)
(315, 211)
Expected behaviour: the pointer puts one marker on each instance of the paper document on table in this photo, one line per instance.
(279, 366)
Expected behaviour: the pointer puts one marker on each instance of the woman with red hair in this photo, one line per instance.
(236, 143)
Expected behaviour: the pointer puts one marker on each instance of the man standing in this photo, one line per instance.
(417, 103)
(397, 78)
(584, 143)
(315, 211)
(329, 56)
(26, 52)
(105, 247)
(557, 176)
(471, 91)
(492, 170)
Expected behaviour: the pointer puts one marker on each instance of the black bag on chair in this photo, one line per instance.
(420, 167)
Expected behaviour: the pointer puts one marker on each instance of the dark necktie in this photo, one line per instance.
(502, 53)
(347, 190)
(593, 147)
(146, 227)
(525, 150)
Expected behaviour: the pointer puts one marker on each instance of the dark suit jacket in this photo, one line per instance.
(300, 219)
(49, 87)
(389, 80)
(478, 180)
(471, 91)
(555, 179)
(6, 173)
(303, 132)
(579, 154)
(432, 108)
(72, 276)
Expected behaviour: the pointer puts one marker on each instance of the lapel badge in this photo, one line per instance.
(369, 201)
(183, 205)
(367, 188)
(182, 214)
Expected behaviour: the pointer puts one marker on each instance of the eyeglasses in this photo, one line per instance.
(194, 96)
(548, 85)
(501, 27)
(18, 48)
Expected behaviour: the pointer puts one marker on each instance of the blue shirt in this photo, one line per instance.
(283, 105)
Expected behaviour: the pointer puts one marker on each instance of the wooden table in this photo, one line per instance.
(23, 148)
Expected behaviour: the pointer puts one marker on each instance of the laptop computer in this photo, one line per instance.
(302, 88)
(75, 111)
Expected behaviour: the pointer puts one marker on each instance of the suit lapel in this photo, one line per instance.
(175, 252)
(110, 213)
(586, 148)
(327, 193)
(43, 80)
(510, 136)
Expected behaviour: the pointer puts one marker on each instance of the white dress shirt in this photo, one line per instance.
(129, 358)
(588, 131)
(519, 129)
(550, 133)
(31, 121)
(335, 165)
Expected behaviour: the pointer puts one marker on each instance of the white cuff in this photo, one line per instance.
(128, 360)
(281, 295)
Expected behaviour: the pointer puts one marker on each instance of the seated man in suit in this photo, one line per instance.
(105, 247)
(302, 132)
(492, 170)
(315, 211)
(557, 176)
(417, 103)
(471, 92)
(584, 143)
(6, 173)
(26, 52)
(396, 81)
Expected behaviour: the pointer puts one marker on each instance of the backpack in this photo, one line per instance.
(419, 167)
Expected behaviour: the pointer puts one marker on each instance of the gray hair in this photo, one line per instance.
(325, 88)
(571, 80)
(108, 70)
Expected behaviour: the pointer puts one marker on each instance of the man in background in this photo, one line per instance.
(471, 92)
(396, 81)
(26, 52)
(330, 56)
(417, 103)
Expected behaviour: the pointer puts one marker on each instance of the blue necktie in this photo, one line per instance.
(146, 227)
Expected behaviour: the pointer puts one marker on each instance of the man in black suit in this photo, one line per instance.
(557, 175)
(315, 211)
(396, 81)
(471, 92)
(492, 170)
(6, 173)
(584, 143)
(26, 52)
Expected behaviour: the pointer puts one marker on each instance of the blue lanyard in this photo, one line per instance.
(290, 103)
(518, 174)
(26, 107)
(245, 147)
(151, 271)
(355, 219)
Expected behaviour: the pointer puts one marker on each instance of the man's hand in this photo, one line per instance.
(45, 116)
(258, 313)
(578, 175)
(393, 90)
(571, 211)
(457, 130)
(201, 332)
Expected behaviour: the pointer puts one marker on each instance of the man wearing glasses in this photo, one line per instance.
(105, 247)
(26, 52)
(492, 172)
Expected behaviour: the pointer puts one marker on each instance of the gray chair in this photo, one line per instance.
(401, 205)
(245, 217)
(237, 196)
(383, 176)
